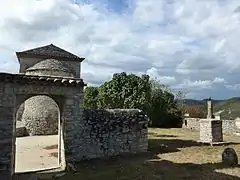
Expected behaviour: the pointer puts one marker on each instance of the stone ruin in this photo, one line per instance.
(211, 128)
(50, 77)
(209, 109)
(37, 119)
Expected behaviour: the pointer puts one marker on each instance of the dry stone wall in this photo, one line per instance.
(228, 126)
(191, 123)
(111, 132)
(108, 132)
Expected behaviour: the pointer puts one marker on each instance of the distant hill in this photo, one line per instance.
(228, 109)
(192, 102)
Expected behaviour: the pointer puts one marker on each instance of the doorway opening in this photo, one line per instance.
(38, 135)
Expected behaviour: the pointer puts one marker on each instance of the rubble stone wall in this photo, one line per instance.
(110, 132)
(228, 126)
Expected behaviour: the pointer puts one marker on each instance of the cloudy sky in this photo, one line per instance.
(190, 45)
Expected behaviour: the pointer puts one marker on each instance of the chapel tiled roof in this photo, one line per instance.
(49, 51)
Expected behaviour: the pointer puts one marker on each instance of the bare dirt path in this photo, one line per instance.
(32, 154)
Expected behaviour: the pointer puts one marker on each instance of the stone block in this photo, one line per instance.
(211, 130)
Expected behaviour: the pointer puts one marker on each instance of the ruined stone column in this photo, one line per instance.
(209, 109)
(210, 128)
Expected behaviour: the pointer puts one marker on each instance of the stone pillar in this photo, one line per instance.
(74, 137)
(209, 109)
(7, 142)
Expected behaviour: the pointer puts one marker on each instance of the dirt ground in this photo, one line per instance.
(33, 153)
(173, 154)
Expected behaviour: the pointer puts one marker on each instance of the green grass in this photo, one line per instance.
(173, 154)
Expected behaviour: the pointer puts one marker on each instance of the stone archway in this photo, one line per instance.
(40, 147)
(14, 88)
(39, 114)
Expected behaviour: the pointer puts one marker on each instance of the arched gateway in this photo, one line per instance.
(50, 77)
(67, 92)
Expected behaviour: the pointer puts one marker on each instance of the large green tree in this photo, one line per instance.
(90, 97)
(125, 91)
(163, 110)
(128, 91)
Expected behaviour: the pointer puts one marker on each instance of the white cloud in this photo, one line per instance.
(154, 74)
(200, 84)
(183, 43)
(218, 80)
(233, 87)
(148, 14)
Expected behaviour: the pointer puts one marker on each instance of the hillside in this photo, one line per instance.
(229, 108)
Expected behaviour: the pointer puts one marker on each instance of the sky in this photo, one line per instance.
(189, 45)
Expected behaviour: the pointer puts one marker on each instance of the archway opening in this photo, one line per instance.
(38, 135)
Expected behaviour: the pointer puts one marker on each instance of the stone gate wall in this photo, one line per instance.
(112, 132)
(87, 134)
(109, 132)
(228, 126)
(14, 89)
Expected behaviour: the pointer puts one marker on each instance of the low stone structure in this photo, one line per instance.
(114, 131)
(211, 131)
(228, 126)
(191, 123)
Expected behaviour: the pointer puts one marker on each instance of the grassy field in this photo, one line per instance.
(173, 154)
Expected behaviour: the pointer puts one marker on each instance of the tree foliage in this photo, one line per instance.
(163, 110)
(128, 91)
(195, 112)
(90, 97)
(124, 91)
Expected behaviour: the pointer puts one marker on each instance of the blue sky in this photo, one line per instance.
(189, 45)
(117, 6)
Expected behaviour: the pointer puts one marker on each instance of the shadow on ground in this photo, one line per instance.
(174, 145)
(140, 168)
(149, 166)
(161, 135)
